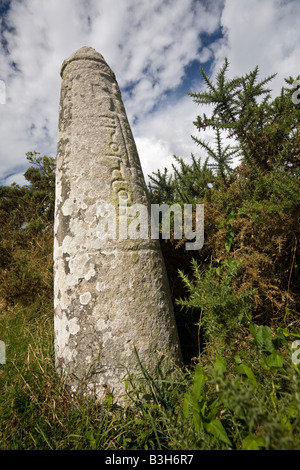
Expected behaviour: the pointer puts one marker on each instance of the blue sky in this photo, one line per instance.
(155, 49)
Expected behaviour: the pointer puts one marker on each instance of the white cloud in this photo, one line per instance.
(168, 132)
(2, 92)
(17, 178)
(258, 32)
(156, 154)
(148, 45)
(264, 33)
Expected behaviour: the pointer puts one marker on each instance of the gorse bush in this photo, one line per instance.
(236, 300)
(222, 313)
(26, 234)
(251, 211)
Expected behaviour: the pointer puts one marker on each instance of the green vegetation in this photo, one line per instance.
(236, 300)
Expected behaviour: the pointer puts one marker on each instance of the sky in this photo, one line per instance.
(154, 47)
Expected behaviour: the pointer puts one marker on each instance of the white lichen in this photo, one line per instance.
(85, 298)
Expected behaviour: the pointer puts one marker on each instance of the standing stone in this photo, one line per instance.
(111, 296)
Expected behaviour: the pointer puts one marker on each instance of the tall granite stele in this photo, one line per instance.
(112, 299)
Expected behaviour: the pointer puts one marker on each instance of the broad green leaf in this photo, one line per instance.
(246, 370)
(192, 404)
(220, 365)
(237, 359)
(198, 423)
(199, 381)
(266, 335)
(215, 427)
(188, 404)
(228, 244)
(263, 336)
(282, 332)
(253, 330)
(229, 237)
(214, 408)
(230, 217)
(273, 360)
(253, 442)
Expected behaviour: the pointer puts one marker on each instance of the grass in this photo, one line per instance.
(37, 411)
(221, 403)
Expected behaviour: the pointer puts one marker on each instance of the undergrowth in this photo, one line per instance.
(243, 399)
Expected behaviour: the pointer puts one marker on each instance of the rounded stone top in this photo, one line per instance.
(84, 53)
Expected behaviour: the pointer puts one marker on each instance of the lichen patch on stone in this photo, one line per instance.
(85, 298)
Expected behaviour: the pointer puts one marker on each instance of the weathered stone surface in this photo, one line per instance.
(111, 296)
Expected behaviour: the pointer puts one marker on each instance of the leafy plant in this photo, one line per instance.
(221, 311)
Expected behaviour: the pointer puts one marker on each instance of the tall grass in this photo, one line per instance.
(36, 411)
(246, 401)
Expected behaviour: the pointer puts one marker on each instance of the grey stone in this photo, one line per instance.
(111, 295)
